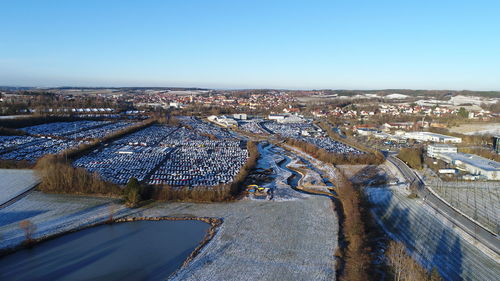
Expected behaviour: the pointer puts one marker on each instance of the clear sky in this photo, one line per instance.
(349, 44)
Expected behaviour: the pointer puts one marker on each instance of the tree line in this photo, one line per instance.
(356, 254)
(59, 176)
(336, 158)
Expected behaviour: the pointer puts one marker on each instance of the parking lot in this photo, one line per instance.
(251, 126)
(52, 138)
(310, 133)
(31, 148)
(206, 128)
(175, 156)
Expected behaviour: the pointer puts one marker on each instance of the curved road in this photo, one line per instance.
(471, 227)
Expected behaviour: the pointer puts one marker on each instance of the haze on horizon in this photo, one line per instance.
(252, 44)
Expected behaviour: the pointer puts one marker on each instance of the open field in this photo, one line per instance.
(292, 237)
(477, 129)
(263, 240)
(259, 239)
(15, 182)
(52, 214)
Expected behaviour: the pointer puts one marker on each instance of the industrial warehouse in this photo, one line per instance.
(478, 167)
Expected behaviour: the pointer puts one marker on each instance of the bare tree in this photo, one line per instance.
(29, 228)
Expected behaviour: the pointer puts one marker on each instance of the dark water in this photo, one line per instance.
(141, 250)
(262, 163)
(294, 179)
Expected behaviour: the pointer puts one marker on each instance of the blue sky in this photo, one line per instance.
(349, 44)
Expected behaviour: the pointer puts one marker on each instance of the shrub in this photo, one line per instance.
(132, 194)
(59, 176)
(412, 156)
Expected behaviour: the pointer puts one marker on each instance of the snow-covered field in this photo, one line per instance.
(263, 240)
(477, 129)
(258, 240)
(14, 182)
(52, 214)
(293, 237)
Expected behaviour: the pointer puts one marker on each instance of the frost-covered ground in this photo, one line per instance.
(293, 237)
(310, 177)
(52, 214)
(14, 182)
(477, 129)
(258, 240)
(263, 240)
(327, 169)
(270, 157)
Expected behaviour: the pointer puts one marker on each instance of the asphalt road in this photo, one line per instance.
(471, 227)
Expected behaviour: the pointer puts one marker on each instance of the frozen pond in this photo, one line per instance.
(140, 250)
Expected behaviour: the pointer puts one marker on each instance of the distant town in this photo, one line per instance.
(389, 169)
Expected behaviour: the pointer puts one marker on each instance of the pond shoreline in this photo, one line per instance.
(212, 230)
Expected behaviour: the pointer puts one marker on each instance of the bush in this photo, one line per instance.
(133, 192)
(412, 156)
(59, 176)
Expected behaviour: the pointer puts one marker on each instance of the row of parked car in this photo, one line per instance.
(52, 138)
(206, 128)
(170, 155)
(306, 131)
(31, 148)
(202, 163)
(61, 129)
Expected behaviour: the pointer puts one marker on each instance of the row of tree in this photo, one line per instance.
(356, 255)
(336, 158)
(404, 268)
(59, 176)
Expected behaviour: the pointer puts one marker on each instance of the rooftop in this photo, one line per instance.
(477, 161)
